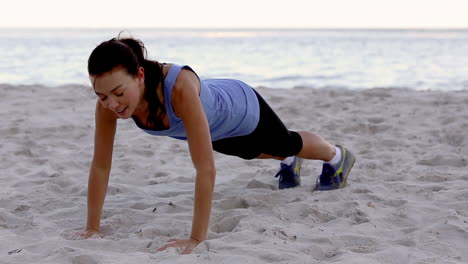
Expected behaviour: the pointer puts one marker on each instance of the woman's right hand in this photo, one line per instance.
(89, 233)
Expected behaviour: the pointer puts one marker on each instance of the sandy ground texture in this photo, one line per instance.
(406, 200)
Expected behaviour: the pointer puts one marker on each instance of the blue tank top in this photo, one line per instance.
(231, 107)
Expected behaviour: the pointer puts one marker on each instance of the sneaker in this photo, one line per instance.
(289, 176)
(332, 179)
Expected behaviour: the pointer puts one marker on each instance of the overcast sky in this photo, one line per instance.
(236, 13)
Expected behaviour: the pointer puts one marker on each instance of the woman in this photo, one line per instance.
(224, 115)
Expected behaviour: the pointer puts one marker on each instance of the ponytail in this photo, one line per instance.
(156, 109)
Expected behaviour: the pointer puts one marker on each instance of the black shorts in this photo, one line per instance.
(269, 137)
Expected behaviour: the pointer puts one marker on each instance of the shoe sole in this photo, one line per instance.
(347, 170)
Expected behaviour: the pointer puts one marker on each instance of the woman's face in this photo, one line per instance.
(119, 91)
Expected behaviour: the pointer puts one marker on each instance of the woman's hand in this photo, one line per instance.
(185, 244)
(90, 232)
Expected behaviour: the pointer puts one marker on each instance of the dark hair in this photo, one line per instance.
(130, 54)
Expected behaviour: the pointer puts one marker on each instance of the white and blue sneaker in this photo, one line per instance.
(334, 176)
(289, 175)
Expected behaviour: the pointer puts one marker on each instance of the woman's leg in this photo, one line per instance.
(315, 147)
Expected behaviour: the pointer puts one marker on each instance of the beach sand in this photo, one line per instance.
(406, 200)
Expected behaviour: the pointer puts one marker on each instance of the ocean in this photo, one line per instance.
(420, 59)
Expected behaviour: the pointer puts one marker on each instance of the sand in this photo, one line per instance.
(406, 200)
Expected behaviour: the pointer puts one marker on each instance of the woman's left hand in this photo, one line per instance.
(185, 244)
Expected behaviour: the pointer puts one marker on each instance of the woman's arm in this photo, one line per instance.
(187, 106)
(106, 123)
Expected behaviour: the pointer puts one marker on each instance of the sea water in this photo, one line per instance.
(435, 59)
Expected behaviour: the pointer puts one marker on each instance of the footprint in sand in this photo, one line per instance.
(161, 174)
(433, 178)
(278, 232)
(24, 151)
(359, 244)
(375, 120)
(140, 206)
(9, 220)
(144, 153)
(227, 221)
(454, 138)
(406, 242)
(311, 214)
(84, 259)
(395, 203)
(155, 232)
(356, 216)
(10, 132)
(440, 160)
(255, 184)
(232, 203)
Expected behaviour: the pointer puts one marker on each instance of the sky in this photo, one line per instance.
(235, 13)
